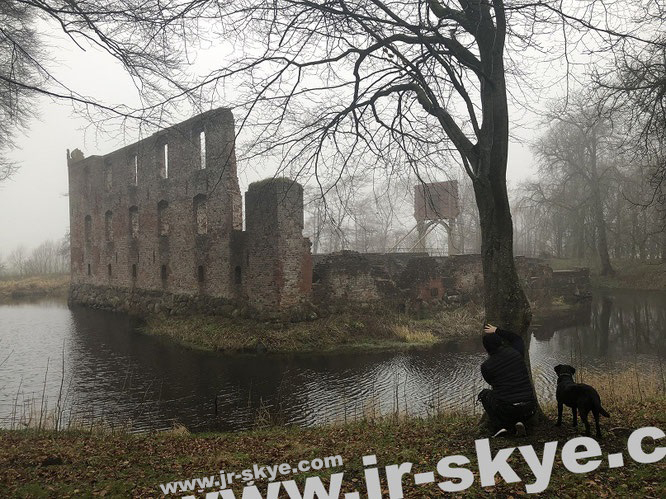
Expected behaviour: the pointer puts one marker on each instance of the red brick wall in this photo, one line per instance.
(99, 184)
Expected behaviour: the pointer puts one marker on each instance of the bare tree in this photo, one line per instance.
(45, 259)
(328, 83)
(17, 43)
(321, 85)
(635, 87)
(17, 260)
(574, 149)
(424, 78)
(128, 30)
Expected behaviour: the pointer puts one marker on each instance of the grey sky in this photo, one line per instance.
(34, 203)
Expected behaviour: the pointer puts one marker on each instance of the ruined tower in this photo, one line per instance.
(279, 265)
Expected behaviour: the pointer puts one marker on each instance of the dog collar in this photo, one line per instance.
(565, 374)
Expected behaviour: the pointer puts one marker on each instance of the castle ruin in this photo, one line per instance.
(158, 225)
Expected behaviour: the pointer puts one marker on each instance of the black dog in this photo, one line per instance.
(579, 397)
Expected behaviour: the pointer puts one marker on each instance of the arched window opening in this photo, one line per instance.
(202, 150)
(87, 184)
(109, 269)
(237, 275)
(108, 225)
(134, 221)
(134, 271)
(163, 152)
(88, 269)
(200, 214)
(162, 218)
(108, 178)
(135, 168)
(163, 272)
(200, 273)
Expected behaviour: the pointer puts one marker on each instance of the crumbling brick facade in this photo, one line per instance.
(409, 281)
(163, 218)
(157, 226)
(279, 268)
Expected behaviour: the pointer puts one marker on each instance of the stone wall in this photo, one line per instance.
(162, 218)
(573, 283)
(409, 280)
(152, 216)
(141, 301)
(157, 226)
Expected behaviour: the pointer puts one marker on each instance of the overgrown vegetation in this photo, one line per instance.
(34, 287)
(75, 463)
(370, 329)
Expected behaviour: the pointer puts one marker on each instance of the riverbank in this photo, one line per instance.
(356, 330)
(363, 329)
(629, 274)
(28, 288)
(77, 464)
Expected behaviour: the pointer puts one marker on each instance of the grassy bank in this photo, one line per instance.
(364, 329)
(34, 287)
(71, 464)
(630, 274)
(358, 330)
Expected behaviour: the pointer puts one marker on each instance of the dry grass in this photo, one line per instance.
(408, 333)
(621, 389)
(631, 385)
(80, 465)
(34, 287)
(366, 329)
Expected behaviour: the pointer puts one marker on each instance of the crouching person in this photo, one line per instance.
(510, 402)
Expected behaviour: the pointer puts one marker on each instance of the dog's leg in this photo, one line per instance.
(560, 406)
(596, 422)
(574, 410)
(583, 416)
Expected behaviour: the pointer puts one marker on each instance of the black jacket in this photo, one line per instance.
(505, 370)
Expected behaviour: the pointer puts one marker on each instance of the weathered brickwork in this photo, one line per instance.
(157, 226)
(411, 280)
(279, 272)
(163, 218)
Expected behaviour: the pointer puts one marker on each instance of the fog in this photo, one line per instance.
(34, 203)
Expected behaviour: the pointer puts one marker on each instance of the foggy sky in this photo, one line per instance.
(34, 205)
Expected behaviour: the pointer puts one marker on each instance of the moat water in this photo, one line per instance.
(97, 367)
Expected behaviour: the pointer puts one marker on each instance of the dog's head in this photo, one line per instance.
(561, 369)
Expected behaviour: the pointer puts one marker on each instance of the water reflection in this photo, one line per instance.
(102, 368)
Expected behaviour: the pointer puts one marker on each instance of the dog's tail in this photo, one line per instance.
(601, 410)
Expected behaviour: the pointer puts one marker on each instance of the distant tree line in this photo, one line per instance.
(49, 257)
(599, 192)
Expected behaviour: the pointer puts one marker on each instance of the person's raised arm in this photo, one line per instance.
(514, 340)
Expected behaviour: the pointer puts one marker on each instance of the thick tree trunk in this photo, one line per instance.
(602, 239)
(505, 301)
